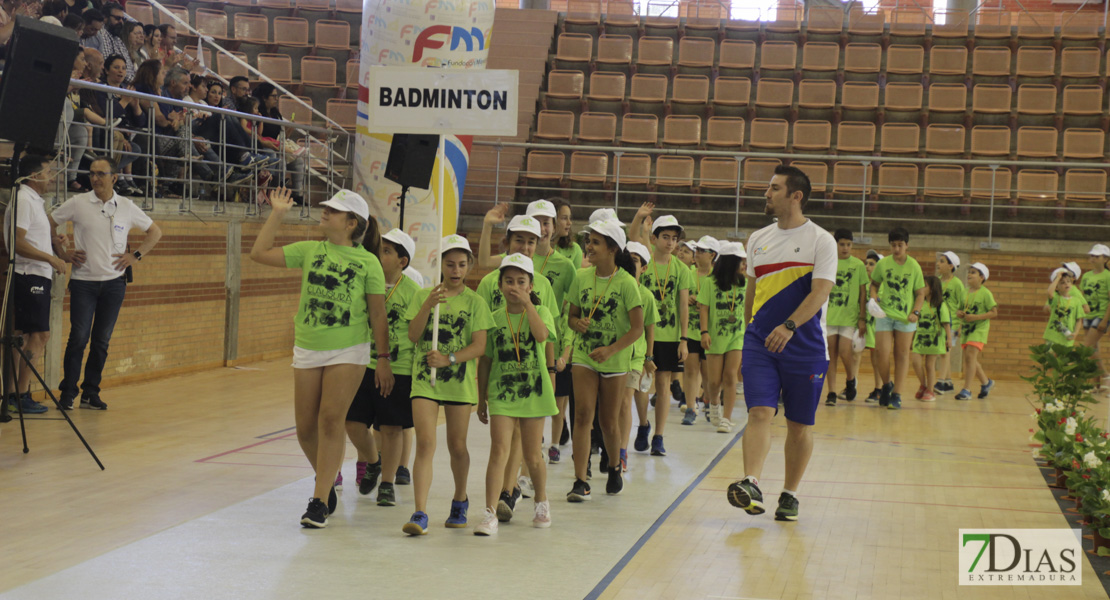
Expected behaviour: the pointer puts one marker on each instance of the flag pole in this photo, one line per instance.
(441, 155)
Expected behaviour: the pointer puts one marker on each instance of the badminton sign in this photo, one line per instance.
(442, 101)
(1020, 557)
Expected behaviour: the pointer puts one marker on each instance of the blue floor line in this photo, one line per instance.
(623, 562)
(273, 433)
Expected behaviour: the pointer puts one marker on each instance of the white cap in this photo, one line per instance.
(876, 253)
(1099, 250)
(453, 242)
(732, 249)
(518, 261)
(664, 221)
(403, 240)
(708, 242)
(952, 258)
(541, 208)
(610, 229)
(639, 250)
(983, 270)
(1074, 268)
(605, 214)
(524, 224)
(691, 244)
(1056, 273)
(348, 201)
(50, 19)
(414, 275)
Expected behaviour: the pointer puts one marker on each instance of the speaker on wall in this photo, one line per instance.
(36, 77)
(411, 159)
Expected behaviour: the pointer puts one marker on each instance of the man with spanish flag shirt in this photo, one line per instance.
(791, 270)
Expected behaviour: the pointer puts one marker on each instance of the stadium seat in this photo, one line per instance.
(991, 64)
(947, 64)
(825, 23)
(614, 53)
(294, 111)
(554, 126)
(1080, 65)
(1083, 106)
(178, 11)
(855, 137)
(902, 102)
(897, 182)
(944, 184)
(719, 175)
(313, 10)
(1036, 105)
(787, 24)
(703, 20)
(545, 168)
(661, 26)
(588, 170)
(817, 99)
(583, 17)
(987, 183)
(1037, 142)
(990, 141)
(682, 131)
(950, 27)
(1036, 28)
(690, 95)
(574, 51)
(649, 93)
(695, 56)
(344, 112)
(674, 175)
(904, 64)
(332, 35)
(1035, 64)
(317, 70)
(606, 92)
(278, 67)
(992, 27)
(758, 173)
(778, 59)
(737, 58)
(866, 26)
(640, 130)
(991, 104)
(731, 96)
(743, 25)
(1084, 144)
(1080, 29)
(859, 100)
(774, 98)
(227, 68)
(621, 18)
(141, 11)
(274, 8)
(725, 133)
(212, 23)
(862, 62)
(852, 179)
(1087, 186)
(291, 37)
(597, 128)
(818, 173)
(820, 60)
(900, 139)
(945, 140)
(768, 135)
(654, 55)
(947, 103)
(564, 91)
(633, 173)
(812, 136)
(351, 12)
(1037, 186)
(907, 26)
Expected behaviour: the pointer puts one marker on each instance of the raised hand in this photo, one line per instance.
(497, 214)
(281, 199)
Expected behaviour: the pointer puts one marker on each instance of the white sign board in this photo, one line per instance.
(442, 101)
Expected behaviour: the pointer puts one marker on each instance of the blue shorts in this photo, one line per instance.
(767, 377)
(889, 324)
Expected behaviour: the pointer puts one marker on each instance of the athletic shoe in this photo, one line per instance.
(739, 389)
(949, 386)
(403, 476)
(895, 402)
(928, 397)
(386, 495)
(677, 393)
(506, 506)
(457, 518)
(830, 399)
(682, 407)
(884, 394)
(589, 469)
(715, 414)
(92, 403)
(580, 492)
(316, 516)
(706, 411)
(553, 455)
(939, 388)
(920, 392)
(488, 526)
(27, 405)
(541, 518)
(370, 477)
(788, 508)
(964, 394)
(984, 390)
(745, 495)
(641, 442)
(417, 525)
(615, 483)
(604, 462)
(874, 395)
(65, 402)
(338, 485)
(657, 448)
(624, 460)
(724, 426)
(333, 500)
(690, 418)
(565, 437)
(524, 487)
(850, 390)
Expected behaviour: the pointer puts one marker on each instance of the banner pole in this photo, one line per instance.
(442, 206)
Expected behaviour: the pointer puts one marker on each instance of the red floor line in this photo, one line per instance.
(983, 487)
(286, 454)
(266, 441)
(257, 465)
(1043, 512)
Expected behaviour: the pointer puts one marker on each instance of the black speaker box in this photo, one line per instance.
(33, 87)
(411, 159)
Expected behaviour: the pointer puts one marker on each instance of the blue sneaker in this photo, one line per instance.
(417, 525)
(457, 519)
(984, 390)
(965, 394)
(657, 448)
(641, 442)
(885, 392)
(28, 406)
(690, 418)
(895, 403)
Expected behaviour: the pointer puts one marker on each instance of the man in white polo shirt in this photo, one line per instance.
(35, 264)
(101, 220)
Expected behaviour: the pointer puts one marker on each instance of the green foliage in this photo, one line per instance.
(1067, 374)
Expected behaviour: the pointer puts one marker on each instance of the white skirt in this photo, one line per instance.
(313, 359)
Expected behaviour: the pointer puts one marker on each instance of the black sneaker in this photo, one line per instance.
(370, 478)
(746, 495)
(884, 394)
(850, 390)
(616, 482)
(386, 495)
(677, 393)
(565, 437)
(830, 399)
(641, 443)
(333, 500)
(874, 395)
(403, 476)
(93, 403)
(895, 402)
(65, 402)
(657, 448)
(788, 508)
(604, 464)
(316, 516)
(506, 506)
(580, 492)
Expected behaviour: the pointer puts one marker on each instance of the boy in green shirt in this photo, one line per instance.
(976, 315)
(954, 296)
(898, 292)
(1063, 308)
(847, 316)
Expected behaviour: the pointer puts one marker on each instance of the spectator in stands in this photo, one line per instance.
(101, 261)
(237, 138)
(271, 138)
(152, 44)
(8, 10)
(78, 130)
(55, 8)
(133, 40)
(125, 142)
(174, 57)
(108, 38)
(77, 7)
(238, 88)
(94, 22)
(75, 22)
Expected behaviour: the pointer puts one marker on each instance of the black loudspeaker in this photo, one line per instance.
(36, 77)
(411, 159)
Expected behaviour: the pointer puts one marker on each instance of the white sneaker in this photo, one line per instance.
(739, 388)
(527, 490)
(715, 414)
(542, 519)
(724, 426)
(488, 526)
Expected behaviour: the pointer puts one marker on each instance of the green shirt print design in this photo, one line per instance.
(979, 302)
(675, 277)
(335, 281)
(459, 317)
(955, 296)
(573, 253)
(726, 316)
(614, 297)
(1096, 290)
(519, 386)
(897, 286)
(844, 297)
(930, 337)
(651, 317)
(1063, 317)
(397, 299)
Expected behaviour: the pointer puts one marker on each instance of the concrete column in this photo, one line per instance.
(968, 5)
(232, 285)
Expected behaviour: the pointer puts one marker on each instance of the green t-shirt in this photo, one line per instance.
(1096, 290)
(490, 291)
(335, 281)
(519, 385)
(572, 253)
(459, 317)
(979, 302)
(559, 272)
(397, 299)
(651, 317)
(693, 329)
(930, 337)
(675, 277)
(1064, 313)
(897, 285)
(606, 302)
(726, 316)
(844, 297)
(955, 296)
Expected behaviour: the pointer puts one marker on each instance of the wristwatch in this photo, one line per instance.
(138, 255)
(451, 357)
(789, 325)
(917, 313)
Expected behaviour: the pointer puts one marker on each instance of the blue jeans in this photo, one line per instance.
(93, 309)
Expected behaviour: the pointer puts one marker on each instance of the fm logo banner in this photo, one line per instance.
(439, 101)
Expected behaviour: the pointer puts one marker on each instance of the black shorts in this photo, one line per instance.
(32, 303)
(694, 347)
(666, 357)
(564, 385)
(371, 408)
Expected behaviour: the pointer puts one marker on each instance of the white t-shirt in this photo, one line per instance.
(100, 229)
(784, 263)
(31, 217)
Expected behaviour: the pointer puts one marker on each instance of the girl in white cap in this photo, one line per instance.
(516, 390)
(642, 370)
(606, 313)
(1095, 286)
(976, 315)
(342, 298)
(564, 234)
(955, 294)
(463, 321)
(721, 305)
(694, 367)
